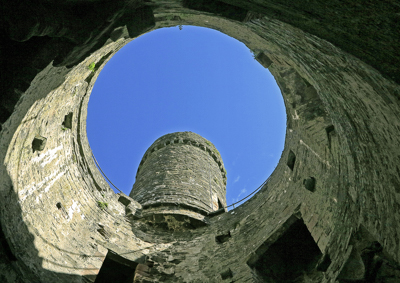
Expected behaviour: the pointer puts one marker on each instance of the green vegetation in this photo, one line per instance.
(214, 150)
(74, 158)
(92, 66)
(102, 204)
(64, 128)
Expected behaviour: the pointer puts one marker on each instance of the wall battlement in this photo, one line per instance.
(189, 139)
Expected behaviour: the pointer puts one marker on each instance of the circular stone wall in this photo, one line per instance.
(336, 185)
(180, 174)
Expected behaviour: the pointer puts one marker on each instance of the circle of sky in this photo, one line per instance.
(191, 79)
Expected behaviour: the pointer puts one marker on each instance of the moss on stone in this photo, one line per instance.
(102, 204)
(92, 66)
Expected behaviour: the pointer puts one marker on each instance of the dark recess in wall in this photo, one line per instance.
(291, 160)
(38, 143)
(223, 238)
(226, 274)
(329, 132)
(220, 206)
(288, 258)
(309, 184)
(263, 59)
(324, 263)
(116, 269)
(68, 121)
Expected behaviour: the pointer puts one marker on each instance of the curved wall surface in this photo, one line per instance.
(336, 186)
(180, 174)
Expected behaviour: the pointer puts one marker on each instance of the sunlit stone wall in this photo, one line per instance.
(337, 182)
(180, 174)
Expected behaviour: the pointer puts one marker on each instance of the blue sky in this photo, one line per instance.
(195, 79)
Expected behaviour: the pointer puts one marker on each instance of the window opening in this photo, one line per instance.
(220, 204)
(226, 274)
(309, 184)
(38, 143)
(68, 121)
(223, 238)
(263, 60)
(291, 160)
(329, 132)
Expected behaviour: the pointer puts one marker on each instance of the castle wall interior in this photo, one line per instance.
(330, 211)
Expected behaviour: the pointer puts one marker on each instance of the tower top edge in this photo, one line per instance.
(186, 138)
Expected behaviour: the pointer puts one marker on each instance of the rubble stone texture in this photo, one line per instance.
(336, 187)
(180, 175)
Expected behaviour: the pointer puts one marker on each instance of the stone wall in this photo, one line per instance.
(180, 174)
(337, 182)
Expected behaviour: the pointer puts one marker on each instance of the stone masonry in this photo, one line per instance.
(180, 174)
(330, 211)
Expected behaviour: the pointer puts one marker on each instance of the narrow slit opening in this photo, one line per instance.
(291, 160)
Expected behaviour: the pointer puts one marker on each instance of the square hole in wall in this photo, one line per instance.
(223, 237)
(68, 121)
(292, 255)
(329, 129)
(38, 143)
(309, 184)
(264, 60)
(226, 274)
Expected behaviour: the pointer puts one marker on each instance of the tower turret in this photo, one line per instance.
(181, 177)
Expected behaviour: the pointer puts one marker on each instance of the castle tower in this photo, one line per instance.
(181, 177)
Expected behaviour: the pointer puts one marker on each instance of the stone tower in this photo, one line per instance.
(180, 175)
(329, 213)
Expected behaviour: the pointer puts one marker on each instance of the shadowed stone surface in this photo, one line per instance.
(337, 65)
